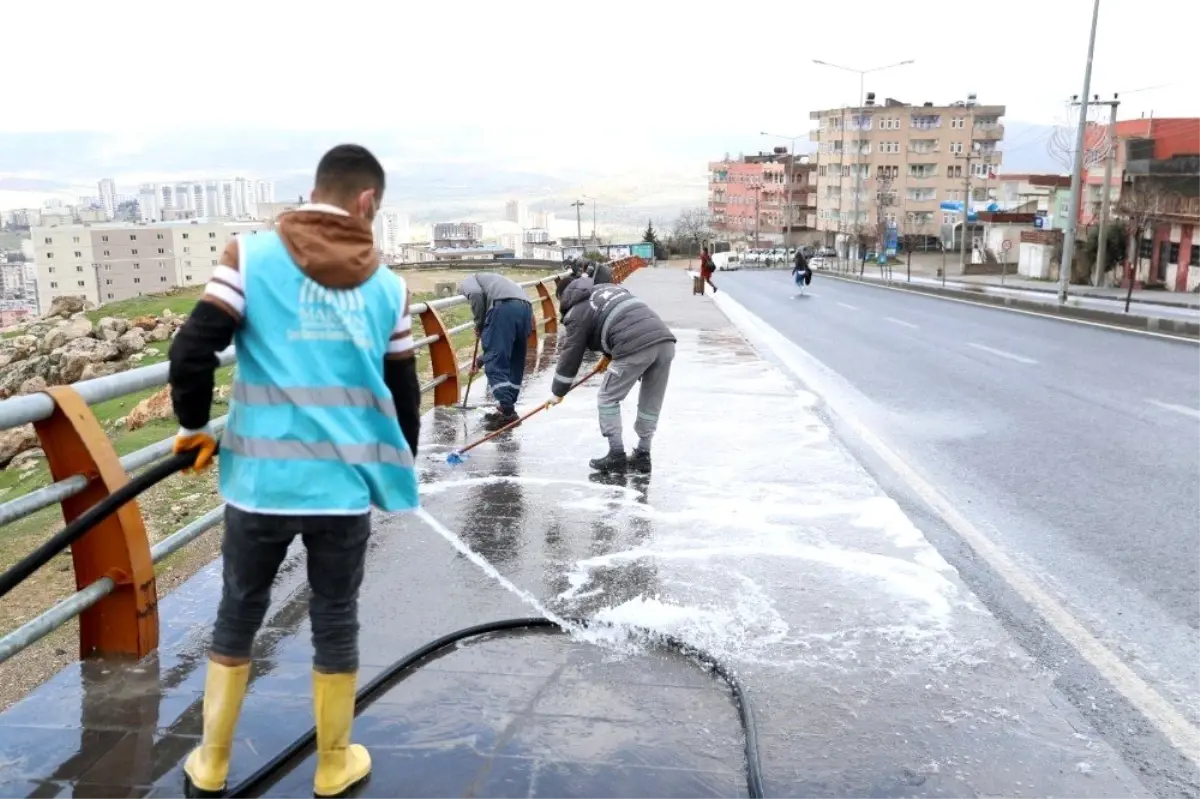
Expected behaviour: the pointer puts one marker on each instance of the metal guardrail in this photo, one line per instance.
(114, 564)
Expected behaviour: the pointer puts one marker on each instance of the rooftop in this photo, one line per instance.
(171, 223)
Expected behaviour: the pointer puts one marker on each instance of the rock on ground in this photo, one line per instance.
(15, 441)
(156, 406)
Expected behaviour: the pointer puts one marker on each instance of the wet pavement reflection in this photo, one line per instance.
(873, 671)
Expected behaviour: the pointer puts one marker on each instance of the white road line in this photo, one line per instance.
(1183, 409)
(1177, 729)
(1072, 320)
(896, 321)
(847, 305)
(1003, 354)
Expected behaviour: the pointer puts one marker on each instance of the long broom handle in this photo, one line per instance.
(535, 411)
(471, 373)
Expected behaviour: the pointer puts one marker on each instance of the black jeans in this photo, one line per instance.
(255, 545)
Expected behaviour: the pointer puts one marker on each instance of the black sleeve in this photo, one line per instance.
(193, 362)
(400, 375)
(577, 322)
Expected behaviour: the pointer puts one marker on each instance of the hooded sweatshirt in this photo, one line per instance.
(331, 248)
(605, 318)
(485, 289)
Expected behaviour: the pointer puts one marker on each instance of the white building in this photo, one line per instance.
(264, 191)
(223, 198)
(108, 197)
(514, 211)
(391, 231)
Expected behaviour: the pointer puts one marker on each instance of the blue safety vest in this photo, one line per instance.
(312, 426)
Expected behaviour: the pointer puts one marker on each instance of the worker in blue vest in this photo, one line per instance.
(503, 321)
(323, 425)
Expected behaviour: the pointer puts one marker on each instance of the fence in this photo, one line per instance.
(117, 597)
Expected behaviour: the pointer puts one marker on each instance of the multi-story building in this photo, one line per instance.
(391, 231)
(897, 163)
(108, 197)
(514, 211)
(236, 198)
(457, 234)
(115, 261)
(763, 199)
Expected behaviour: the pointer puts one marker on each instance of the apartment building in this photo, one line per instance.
(748, 199)
(391, 231)
(457, 234)
(897, 163)
(230, 198)
(109, 262)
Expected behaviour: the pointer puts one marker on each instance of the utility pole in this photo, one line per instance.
(966, 209)
(1064, 269)
(578, 222)
(1098, 268)
(757, 194)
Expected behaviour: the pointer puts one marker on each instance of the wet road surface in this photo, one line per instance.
(1073, 446)
(872, 668)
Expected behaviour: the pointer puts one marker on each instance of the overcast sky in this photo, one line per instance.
(541, 85)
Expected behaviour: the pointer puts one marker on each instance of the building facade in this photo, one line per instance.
(457, 234)
(226, 198)
(108, 197)
(897, 163)
(108, 262)
(763, 199)
(391, 231)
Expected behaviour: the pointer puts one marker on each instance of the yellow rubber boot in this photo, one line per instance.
(341, 765)
(207, 767)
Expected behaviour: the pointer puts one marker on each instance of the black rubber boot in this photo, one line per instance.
(639, 461)
(614, 461)
(502, 418)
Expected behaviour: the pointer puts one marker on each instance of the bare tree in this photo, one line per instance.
(1143, 202)
(693, 226)
(1096, 141)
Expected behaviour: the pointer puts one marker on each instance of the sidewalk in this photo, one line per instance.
(872, 668)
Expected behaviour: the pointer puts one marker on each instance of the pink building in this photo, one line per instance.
(747, 198)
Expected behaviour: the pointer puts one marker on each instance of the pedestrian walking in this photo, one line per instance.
(637, 347)
(707, 268)
(323, 425)
(503, 321)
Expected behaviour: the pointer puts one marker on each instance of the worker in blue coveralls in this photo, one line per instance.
(503, 321)
(323, 425)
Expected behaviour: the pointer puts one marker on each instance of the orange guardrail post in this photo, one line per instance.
(441, 358)
(548, 309)
(126, 621)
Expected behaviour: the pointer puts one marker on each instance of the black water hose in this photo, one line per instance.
(268, 772)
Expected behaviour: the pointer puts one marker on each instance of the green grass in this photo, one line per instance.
(178, 301)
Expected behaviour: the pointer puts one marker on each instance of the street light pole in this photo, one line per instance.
(1064, 268)
(578, 224)
(862, 74)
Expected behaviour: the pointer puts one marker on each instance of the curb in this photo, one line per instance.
(1150, 324)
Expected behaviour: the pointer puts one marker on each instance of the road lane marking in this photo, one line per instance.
(1158, 710)
(896, 321)
(1003, 354)
(1183, 409)
(977, 304)
(847, 305)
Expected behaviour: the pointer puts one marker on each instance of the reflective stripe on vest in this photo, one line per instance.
(324, 396)
(291, 450)
(620, 307)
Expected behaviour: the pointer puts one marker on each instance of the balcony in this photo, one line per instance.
(988, 132)
(815, 135)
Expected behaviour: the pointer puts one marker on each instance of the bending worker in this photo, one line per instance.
(323, 425)
(503, 321)
(608, 318)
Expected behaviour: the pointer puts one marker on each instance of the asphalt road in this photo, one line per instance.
(1075, 448)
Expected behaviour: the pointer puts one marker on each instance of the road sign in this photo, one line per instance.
(1007, 245)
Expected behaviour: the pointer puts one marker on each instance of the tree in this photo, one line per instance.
(692, 227)
(596, 255)
(651, 237)
(1116, 238)
(1143, 201)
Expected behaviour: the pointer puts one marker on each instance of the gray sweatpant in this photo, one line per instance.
(652, 366)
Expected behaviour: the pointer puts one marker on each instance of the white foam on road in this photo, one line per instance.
(1180, 409)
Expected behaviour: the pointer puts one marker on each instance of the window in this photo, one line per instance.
(889, 147)
(49, 255)
(187, 263)
(212, 235)
(110, 296)
(1173, 253)
(51, 270)
(79, 283)
(187, 249)
(162, 279)
(133, 237)
(958, 123)
(954, 171)
(1195, 259)
(161, 251)
(956, 147)
(108, 267)
(134, 252)
(104, 238)
(53, 285)
(75, 239)
(949, 219)
(49, 241)
(78, 254)
(214, 262)
(187, 278)
(213, 248)
(108, 281)
(106, 252)
(137, 266)
(1146, 248)
(137, 280)
(160, 237)
(79, 269)
(185, 235)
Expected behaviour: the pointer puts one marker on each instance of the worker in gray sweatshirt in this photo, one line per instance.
(503, 321)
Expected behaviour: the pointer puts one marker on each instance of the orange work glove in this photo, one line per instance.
(202, 442)
(603, 365)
